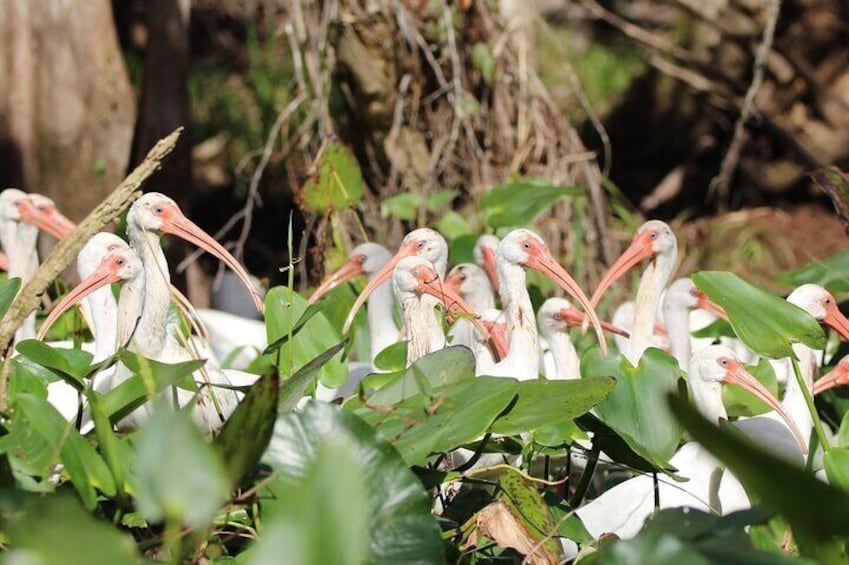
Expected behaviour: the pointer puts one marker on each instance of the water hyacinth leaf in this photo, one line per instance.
(180, 476)
(282, 312)
(400, 526)
(338, 183)
(636, 408)
(740, 402)
(439, 368)
(766, 323)
(8, 289)
(452, 225)
(450, 416)
(518, 203)
(462, 249)
(836, 462)
(56, 530)
(830, 273)
(815, 510)
(438, 201)
(108, 441)
(542, 403)
(293, 389)
(403, 206)
(84, 466)
(246, 432)
(392, 358)
(71, 365)
(325, 519)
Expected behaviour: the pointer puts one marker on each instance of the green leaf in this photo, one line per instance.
(403, 206)
(8, 290)
(246, 432)
(317, 335)
(484, 62)
(836, 462)
(830, 273)
(84, 466)
(293, 389)
(462, 248)
(72, 365)
(740, 402)
(396, 510)
(717, 328)
(56, 530)
(636, 407)
(530, 510)
(452, 225)
(441, 367)
(393, 358)
(766, 323)
(339, 183)
(816, 511)
(518, 203)
(437, 201)
(450, 416)
(542, 403)
(109, 442)
(181, 478)
(612, 444)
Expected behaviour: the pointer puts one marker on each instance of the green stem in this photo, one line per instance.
(586, 478)
(172, 540)
(809, 400)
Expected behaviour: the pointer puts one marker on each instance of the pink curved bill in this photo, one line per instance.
(47, 218)
(836, 377)
(490, 269)
(352, 268)
(574, 317)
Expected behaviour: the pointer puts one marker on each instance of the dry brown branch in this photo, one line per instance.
(68, 248)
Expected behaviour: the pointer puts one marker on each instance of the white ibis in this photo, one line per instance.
(369, 259)
(653, 239)
(484, 253)
(623, 509)
(41, 211)
(472, 284)
(680, 300)
(413, 279)
(520, 250)
(19, 239)
(423, 242)
(838, 376)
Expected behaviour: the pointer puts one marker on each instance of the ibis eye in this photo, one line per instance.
(827, 301)
(362, 259)
(415, 272)
(723, 362)
(120, 261)
(653, 235)
(557, 316)
(526, 245)
(694, 292)
(421, 245)
(157, 210)
(462, 277)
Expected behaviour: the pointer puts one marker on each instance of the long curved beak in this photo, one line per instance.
(739, 376)
(834, 319)
(378, 279)
(705, 303)
(454, 304)
(498, 333)
(553, 270)
(350, 269)
(188, 310)
(101, 277)
(639, 249)
(574, 317)
(4, 262)
(179, 225)
(48, 219)
(836, 377)
(490, 269)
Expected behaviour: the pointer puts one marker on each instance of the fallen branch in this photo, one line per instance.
(67, 249)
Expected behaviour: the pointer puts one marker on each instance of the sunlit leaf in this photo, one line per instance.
(441, 367)
(70, 364)
(181, 478)
(8, 289)
(831, 273)
(542, 402)
(293, 389)
(836, 462)
(392, 358)
(338, 184)
(517, 203)
(403, 206)
(400, 528)
(766, 323)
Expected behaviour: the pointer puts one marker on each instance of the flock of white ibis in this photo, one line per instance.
(505, 342)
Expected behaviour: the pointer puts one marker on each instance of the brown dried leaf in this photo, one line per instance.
(498, 523)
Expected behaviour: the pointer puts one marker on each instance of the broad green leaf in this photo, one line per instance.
(293, 389)
(518, 203)
(542, 403)
(72, 365)
(438, 201)
(529, 509)
(612, 444)
(403, 206)
(392, 358)
(338, 184)
(836, 462)
(245, 435)
(108, 441)
(766, 323)
(453, 225)
(816, 511)
(397, 514)
(83, 464)
(181, 478)
(831, 273)
(326, 515)
(282, 311)
(740, 402)
(462, 249)
(8, 290)
(56, 530)
(441, 367)
(843, 431)
(636, 407)
(717, 328)
(450, 416)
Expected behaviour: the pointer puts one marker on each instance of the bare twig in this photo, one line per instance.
(68, 248)
(719, 186)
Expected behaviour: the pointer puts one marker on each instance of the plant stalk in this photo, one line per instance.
(809, 400)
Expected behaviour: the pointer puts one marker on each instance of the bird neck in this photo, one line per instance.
(677, 320)
(566, 361)
(383, 331)
(652, 282)
(707, 397)
(23, 263)
(149, 336)
(424, 330)
(794, 400)
(103, 313)
(522, 355)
